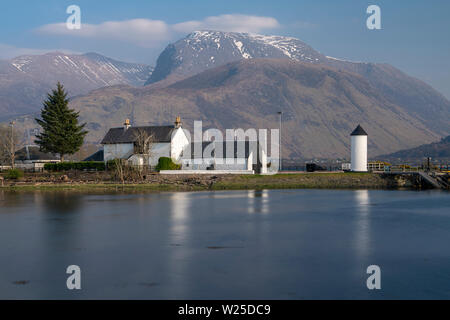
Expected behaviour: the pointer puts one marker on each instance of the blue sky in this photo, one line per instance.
(414, 36)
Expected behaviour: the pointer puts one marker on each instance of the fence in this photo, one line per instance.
(400, 169)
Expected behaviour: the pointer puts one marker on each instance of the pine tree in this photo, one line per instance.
(61, 132)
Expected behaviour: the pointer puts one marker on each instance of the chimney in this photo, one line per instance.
(178, 122)
(126, 124)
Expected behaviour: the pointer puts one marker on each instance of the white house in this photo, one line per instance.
(174, 142)
(166, 141)
(30, 158)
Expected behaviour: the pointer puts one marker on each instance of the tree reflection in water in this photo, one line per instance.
(62, 202)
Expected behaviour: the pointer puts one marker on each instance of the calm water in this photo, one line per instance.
(280, 244)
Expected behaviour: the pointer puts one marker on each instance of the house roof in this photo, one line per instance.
(34, 153)
(231, 146)
(359, 131)
(120, 135)
(97, 156)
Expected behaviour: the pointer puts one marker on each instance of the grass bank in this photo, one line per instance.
(308, 180)
(219, 182)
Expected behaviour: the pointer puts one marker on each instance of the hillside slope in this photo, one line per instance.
(321, 106)
(435, 150)
(25, 80)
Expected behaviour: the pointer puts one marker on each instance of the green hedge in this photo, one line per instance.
(165, 163)
(65, 166)
(14, 174)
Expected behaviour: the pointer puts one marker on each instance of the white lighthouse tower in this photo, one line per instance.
(359, 149)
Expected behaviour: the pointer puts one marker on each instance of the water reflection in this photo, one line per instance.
(179, 213)
(362, 243)
(60, 202)
(62, 216)
(179, 237)
(295, 244)
(258, 201)
(11, 199)
(259, 228)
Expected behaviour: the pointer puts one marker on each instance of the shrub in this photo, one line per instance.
(165, 163)
(112, 165)
(14, 174)
(85, 165)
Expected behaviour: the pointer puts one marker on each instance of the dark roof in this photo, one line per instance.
(97, 156)
(120, 135)
(231, 145)
(34, 154)
(359, 131)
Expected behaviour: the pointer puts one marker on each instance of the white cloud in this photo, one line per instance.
(229, 22)
(142, 32)
(150, 33)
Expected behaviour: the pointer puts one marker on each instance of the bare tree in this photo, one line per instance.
(123, 170)
(9, 142)
(143, 145)
(119, 169)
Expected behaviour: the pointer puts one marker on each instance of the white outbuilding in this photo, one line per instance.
(359, 150)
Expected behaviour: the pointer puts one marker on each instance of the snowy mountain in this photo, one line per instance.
(321, 106)
(130, 73)
(25, 80)
(231, 80)
(202, 50)
(93, 68)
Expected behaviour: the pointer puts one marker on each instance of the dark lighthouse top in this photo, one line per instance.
(359, 131)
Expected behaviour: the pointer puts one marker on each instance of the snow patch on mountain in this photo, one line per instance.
(19, 63)
(239, 45)
(91, 67)
(192, 54)
(289, 47)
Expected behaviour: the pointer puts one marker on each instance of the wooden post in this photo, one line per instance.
(12, 149)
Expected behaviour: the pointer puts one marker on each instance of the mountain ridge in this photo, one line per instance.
(192, 55)
(322, 98)
(320, 104)
(25, 80)
(436, 150)
(232, 46)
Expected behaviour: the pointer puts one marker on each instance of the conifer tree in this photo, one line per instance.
(61, 132)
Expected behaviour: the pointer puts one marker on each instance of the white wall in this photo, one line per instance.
(359, 153)
(224, 164)
(115, 151)
(178, 143)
